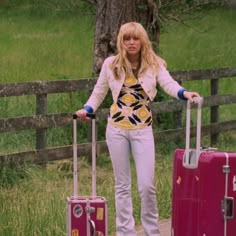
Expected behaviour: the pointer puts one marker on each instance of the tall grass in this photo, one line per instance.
(42, 44)
(205, 40)
(47, 48)
(37, 206)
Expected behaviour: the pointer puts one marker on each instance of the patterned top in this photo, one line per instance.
(132, 110)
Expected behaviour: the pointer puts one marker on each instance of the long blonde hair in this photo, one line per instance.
(148, 58)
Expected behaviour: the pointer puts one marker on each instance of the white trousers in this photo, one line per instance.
(140, 143)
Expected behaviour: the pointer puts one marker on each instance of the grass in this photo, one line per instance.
(204, 41)
(48, 48)
(36, 205)
(59, 46)
(39, 203)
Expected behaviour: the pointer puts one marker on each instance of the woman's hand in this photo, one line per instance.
(82, 114)
(190, 95)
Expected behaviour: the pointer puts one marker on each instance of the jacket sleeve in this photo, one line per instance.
(100, 89)
(167, 83)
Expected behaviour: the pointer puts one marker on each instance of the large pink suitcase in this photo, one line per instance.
(204, 189)
(86, 215)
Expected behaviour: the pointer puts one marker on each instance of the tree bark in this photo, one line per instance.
(109, 16)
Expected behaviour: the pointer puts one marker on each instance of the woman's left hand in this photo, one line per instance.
(190, 95)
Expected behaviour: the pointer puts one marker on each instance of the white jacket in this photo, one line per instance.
(148, 81)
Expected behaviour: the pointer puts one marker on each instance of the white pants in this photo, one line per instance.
(140, 143)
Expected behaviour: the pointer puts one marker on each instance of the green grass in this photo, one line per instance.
(38, 203)
(48, 48)
(54, 46)
(204, 41)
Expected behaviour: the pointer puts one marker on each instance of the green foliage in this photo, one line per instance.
(12, 173)
(39, 200)
(41, 197)
(200, 43)
(42, 8)
(35, 203)
(164, 184)
(164, 120)
(46, 48)
(181, 10)
(57, 47)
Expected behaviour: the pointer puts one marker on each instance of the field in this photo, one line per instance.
(48, 46)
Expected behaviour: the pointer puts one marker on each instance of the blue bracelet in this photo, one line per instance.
(181, 94)
(88, 109)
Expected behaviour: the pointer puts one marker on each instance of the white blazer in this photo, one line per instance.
(148, 81)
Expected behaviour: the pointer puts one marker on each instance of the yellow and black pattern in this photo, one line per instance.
(132, 109)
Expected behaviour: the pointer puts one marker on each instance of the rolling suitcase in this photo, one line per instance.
(204, 188)
(86, 215)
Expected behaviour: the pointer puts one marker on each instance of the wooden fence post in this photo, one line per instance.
(41, 109)
(214, 110)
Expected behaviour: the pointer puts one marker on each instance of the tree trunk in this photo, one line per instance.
(109, 16)
(112, 13)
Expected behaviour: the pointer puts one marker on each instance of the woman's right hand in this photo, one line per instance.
(82, 114)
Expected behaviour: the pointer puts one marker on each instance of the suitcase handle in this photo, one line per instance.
(92, 116)
(228, 208)
(93, 226)
(191, 156)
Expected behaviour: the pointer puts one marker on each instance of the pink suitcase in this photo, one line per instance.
(86, 215)
(204, 188)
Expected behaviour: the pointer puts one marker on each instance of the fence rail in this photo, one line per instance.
(42, 120)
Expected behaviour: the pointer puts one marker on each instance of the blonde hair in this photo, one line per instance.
(148, 58)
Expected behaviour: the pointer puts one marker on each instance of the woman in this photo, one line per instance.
(132, 76)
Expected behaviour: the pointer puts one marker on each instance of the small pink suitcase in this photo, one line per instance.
(86, 215)
(204, 189)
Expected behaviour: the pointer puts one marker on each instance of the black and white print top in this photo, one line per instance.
(132, 109)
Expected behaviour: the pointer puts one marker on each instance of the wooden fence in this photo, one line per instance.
(42, 120)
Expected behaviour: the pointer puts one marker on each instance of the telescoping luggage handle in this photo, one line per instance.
(191, 156)
(92, 116)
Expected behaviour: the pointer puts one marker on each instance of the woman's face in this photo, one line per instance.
(132, 45)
